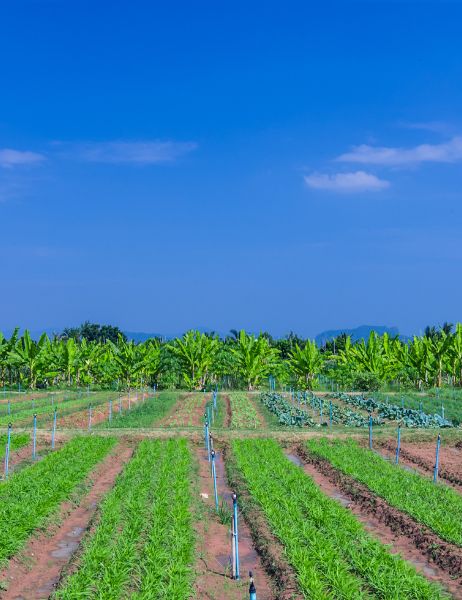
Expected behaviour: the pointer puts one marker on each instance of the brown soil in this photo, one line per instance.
(213, 569)
(187, 412)
(442, 561)
(100, 413)
(34, 573)
(421, 456)
(23, 456)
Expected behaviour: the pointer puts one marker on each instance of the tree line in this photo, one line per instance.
(105, 358)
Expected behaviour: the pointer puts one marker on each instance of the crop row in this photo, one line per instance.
(392, 412)
(243, 413)
(33, 494)
(144, 414)
(437, 506)
(46, 411)
(143, 545)
(286, 413)
(18, 440)
(332, 554)
(342, 415)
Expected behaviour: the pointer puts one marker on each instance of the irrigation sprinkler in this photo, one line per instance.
(7, 451)
(235, 540)
(53, 431)
(437, 459)
(370, 432)
(442, 410)
(34, 438)
(330, 413)
(320, 411)
(9, 407)
(110, 411)
(89, 417)
(214, 475)
(206, 434)
(252, 589)
(398, 445)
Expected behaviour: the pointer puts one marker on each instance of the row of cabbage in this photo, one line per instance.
(392, 412)
(297, 414)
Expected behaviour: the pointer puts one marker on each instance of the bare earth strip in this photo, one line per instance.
(213, 571)
(35, 572)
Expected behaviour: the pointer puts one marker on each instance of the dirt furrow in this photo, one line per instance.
(213, 570)
(422, 458)
(35, 572)
(438, 560)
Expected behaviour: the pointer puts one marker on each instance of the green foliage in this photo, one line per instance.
(243, 413)
(332, 554)
(305, 363)
(143, 545)
(392, 412)
(18, 440)
(196, 353)
(35, 492)
(287, 414)
(93, 332)
(437, 506)
(145, 414)
(254, 358)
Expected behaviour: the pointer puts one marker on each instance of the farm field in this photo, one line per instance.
(123, 505)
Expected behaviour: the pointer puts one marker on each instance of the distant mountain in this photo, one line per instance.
(358, 333)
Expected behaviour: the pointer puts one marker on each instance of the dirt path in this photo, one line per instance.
(213, 577)
(436, 559)
(35, 572)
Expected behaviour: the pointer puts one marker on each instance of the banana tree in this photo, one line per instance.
(196, 353)
(305, 363)
(254, 358)
(26, 355)
(127, 358)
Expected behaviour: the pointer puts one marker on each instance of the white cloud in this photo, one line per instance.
(359, 181)
(135, 153)
(13, 158)
(447, 152)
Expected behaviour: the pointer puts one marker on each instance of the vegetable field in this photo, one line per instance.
(164, 494)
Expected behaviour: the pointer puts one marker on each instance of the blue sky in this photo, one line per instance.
(275, 166)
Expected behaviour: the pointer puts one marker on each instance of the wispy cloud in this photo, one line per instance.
(13, 158)
(446, 152)
(433, 126)
(359, 181)
(125, 152)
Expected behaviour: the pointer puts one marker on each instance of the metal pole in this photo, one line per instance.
(214, 474)
(34, 438)
(398, 446)
(7, 453)
(236, 535)
(330, 413)
(208, 439)
(120, 405)
(110, 411)
(89, 418)
(370, 432)
(437, 459)
(53, 431)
